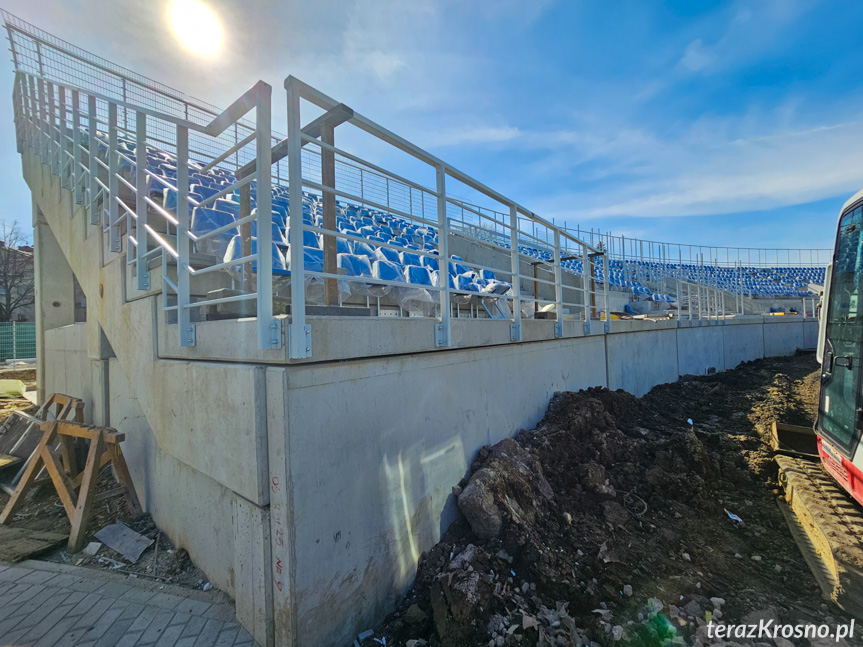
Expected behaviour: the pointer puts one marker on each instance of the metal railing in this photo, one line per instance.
(98, 126)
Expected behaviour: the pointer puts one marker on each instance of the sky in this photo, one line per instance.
(714, 123)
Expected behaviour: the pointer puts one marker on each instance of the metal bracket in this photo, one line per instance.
(587, 327)
(144, 281)
(441, 336)
(306, 332)
(607, 326)
(188, 336)
(515, 331)
(276, 338)
(558, 329)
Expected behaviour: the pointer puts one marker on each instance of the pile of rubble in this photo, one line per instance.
(609, 525)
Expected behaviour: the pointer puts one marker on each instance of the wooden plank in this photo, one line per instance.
(62, 484)
(124, 478)
(17, 544)
(85, 496)
(29, 474)
(77, 430)
(8, 461)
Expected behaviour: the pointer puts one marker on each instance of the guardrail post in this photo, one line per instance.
(606, 273)
(515, 330)
(141, 182)
(558, 286)
(76, 148)
(43, 142)
(586, 272)
(52, 145)
(93, 150)
(299, 333)
(443, 328)
(61, 137)
(113, 188)
(269, 328)
(186, 327)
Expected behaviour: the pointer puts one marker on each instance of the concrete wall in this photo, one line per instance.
(371, 449)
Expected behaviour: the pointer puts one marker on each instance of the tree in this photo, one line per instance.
(16, 270)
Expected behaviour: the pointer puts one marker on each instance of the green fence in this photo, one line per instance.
(17, 340)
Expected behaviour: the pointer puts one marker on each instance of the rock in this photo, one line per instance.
(686, 557)
(591, 475)
(456, 490)
(617, 632)
(463, 558)
(614, 513)
(693, 609)
(718, 603)
(654, 606)
(627, 590)
(416, 643)
(567, 518)
(414, 615)
(508, 485)
(756, 558)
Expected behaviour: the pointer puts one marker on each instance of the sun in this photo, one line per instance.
(196, 26)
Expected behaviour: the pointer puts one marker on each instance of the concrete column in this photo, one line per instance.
(55, 290)
(99, 352)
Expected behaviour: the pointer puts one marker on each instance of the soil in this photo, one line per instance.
(611, 522)
(171, 565)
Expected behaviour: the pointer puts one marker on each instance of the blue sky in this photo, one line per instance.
(719, 123)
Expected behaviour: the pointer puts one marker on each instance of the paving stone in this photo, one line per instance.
(226, 638)
(13, 574)
(221, 612)
(170, 636)
(144, 619)
(112, 590)
(36, 577)
(194, 626)
(194, 607)
(154, 631)
(208, 635)
(55, 608)
(129, 639)
(138, 595)
(115, 632)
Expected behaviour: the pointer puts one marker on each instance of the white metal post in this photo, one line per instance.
(93, 148)
(299, 333)
(76, 147)
(141, 182)
(113, 182)
(186, 328)
(43, 142)
(443, 327)
(585, 286)
(269, 329)
(53, 145)
(606, 272)
(61, 137)
(558, 286)
(515, 330)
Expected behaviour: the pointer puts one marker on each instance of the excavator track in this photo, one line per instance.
(828, 527)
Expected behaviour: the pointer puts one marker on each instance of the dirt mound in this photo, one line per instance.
(609, 523)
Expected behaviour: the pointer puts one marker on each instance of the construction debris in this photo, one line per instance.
(125, 541)
(17, 544)
(607, 523)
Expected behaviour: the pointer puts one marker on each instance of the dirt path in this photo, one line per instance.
(609, 523)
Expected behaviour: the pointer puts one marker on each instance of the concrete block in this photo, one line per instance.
(253, 581)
